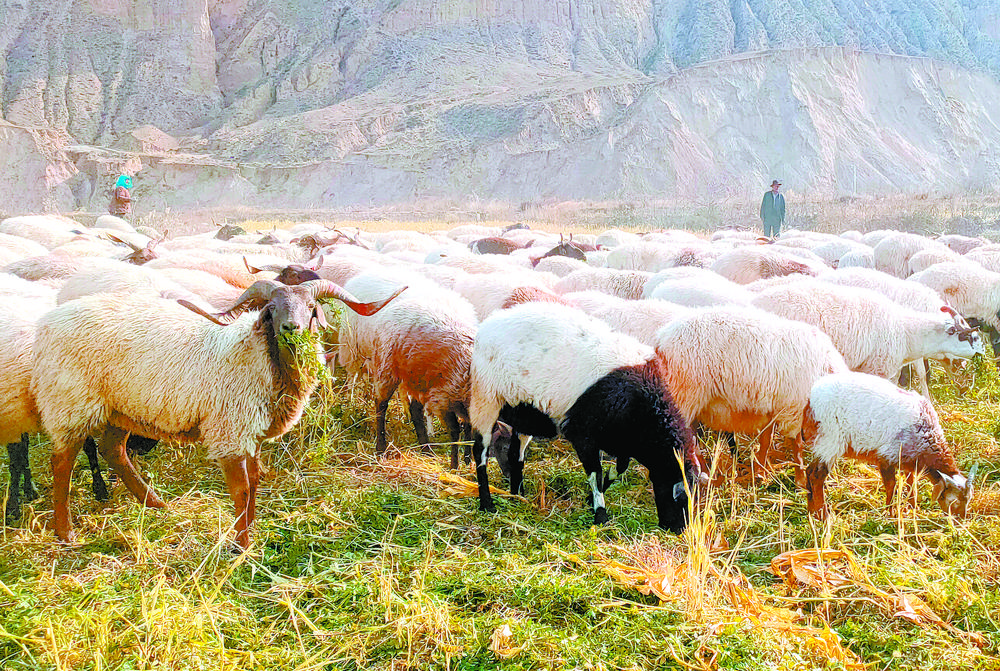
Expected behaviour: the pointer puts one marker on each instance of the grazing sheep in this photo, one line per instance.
(969, 288)
(622, 283)
(962, 244)
(421, 344)
(560, 265)
(892, 254)
(875, 334)
(870, 419)
(639, 319)
(857, 259)
(491, 292)
(739, 370)
(114, 363)
(549, 369)
(747, 264)
(702, 291)
(48, 230)
(926, 258)
(566, 248)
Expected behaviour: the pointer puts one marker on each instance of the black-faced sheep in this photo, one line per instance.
(548, 369)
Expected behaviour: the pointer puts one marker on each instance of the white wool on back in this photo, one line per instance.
(875, 334)
(911, 294)
(544, 354)
(702, 291)
(18, 414)
(488, 292)
(726, 363)
(157, 364)
(968, 287)
(622, 283)
(639, 319)
(870, 416)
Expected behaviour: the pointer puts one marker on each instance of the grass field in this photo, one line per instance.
(358, 562)
(361, 563)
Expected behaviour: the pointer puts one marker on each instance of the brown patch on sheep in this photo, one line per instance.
(531, 295)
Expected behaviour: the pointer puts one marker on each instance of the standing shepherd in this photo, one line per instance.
(121, 198)
(772, 211)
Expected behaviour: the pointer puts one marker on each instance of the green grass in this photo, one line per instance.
(361, 563)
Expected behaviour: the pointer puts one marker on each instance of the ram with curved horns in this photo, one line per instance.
(110, 364)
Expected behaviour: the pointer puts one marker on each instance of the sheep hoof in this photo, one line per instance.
(487, 507)
(600, 516)
(30, 493)
(12, 513)
(100, 489)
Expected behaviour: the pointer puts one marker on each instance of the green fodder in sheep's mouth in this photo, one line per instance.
(305, 347)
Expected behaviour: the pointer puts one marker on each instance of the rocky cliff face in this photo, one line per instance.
(343, 103)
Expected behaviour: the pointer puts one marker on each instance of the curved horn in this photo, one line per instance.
(319, 263)
(325, 289)
(949, 310)
(256, 295)
(250, 269)
(115, 238)
(207, 315)
(270, 267)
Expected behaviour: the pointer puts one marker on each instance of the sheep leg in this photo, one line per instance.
(467, 438)
(482, 478)
(590, 457)
(455, 433)
(420, 425)
(63, 458)
(253, 479)
(761, 458)
(382, 396)
(920, 367)
(99, 486)
(816, 489)
(888, 472)
(20, 478)
(238, 484)
(517, 464)
(612, 474)
(112, 447)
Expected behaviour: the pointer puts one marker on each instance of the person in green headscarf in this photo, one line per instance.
(121, 198)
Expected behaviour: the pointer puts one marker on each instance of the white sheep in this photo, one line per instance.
(549, 369)
(875, 334)
(870, 419)
(857, 259)
(747, 264)
(740, 370)
(968, 287)
(48, 230)
(489, 292)
(622, 283)
(114, 363)
(892, 254)
(639, 319)
(702, 291)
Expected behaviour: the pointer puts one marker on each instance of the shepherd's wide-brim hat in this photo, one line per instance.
(775, 183)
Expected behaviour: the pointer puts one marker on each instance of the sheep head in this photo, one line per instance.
(291, 308)
(140, 255)
(964, 331)
(291, 274)
(953, 492)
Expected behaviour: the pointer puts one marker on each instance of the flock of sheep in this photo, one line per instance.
(112, 338)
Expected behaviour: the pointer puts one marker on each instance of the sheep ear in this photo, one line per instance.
(503, 430)
(321, 317)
